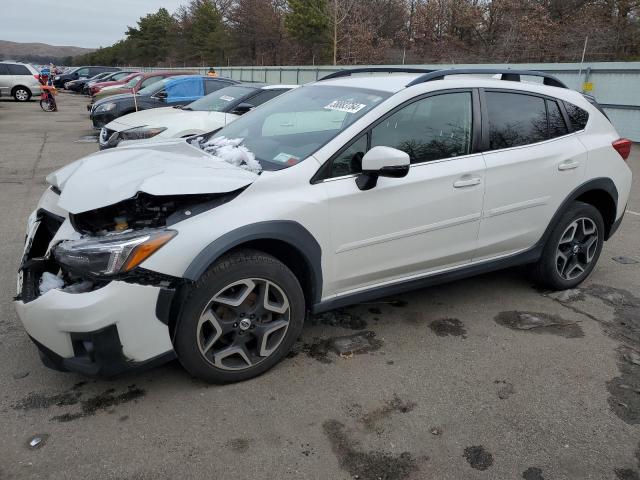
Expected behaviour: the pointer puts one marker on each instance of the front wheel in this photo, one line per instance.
(240, 319)
(573, 248)
(48, 104)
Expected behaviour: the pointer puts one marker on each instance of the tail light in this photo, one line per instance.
(37, 77)
(623, 147)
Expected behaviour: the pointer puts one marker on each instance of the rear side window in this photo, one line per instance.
(515, 119)
(4, 69)
(18, 70)
(151, 81)
(577, 116)
(211, 86)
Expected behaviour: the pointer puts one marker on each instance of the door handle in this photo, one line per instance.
(467, 182)
(570, 165)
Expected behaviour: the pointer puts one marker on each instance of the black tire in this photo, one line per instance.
(21, 94)
(236, 267)
(547, 272)
(48, 105)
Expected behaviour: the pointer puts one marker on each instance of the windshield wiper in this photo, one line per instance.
(186, 108)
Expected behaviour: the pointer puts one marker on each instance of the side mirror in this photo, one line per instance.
(162, 95)
(382, 162)
(242, 108)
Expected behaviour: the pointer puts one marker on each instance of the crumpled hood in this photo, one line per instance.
(168, 168)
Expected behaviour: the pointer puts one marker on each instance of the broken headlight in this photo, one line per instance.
(110, 254)
(140, 133)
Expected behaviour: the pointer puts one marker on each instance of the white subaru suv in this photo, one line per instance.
(214, 249)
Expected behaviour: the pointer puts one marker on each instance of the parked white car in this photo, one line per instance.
(19, 80)
(206, 114)
(213, 249)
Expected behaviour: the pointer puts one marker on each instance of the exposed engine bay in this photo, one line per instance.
(146, 211)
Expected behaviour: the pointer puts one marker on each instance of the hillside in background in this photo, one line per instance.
(40, 52)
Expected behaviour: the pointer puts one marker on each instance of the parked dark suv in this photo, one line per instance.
(80, 72)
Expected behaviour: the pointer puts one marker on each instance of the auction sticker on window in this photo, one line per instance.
(345, 106)
(286, 158)
(227, 98)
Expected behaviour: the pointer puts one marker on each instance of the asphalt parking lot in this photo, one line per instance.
(487, 378)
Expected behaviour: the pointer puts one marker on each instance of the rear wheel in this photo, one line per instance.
(21, 94)
(240, 319)
(573, 248)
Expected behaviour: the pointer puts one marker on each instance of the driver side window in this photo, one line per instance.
(83, 72)
(432, 128)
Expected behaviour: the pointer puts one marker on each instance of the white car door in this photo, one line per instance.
(408, 226)
(533, 163)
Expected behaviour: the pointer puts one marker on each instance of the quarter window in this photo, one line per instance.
(515, 119)
(430, 129)
(577, 116)
(4, 69)
(557, 126)
(350, 160)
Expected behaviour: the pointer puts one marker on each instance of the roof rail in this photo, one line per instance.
(507, 74)
(349, 71)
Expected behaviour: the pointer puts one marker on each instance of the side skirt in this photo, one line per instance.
(523, 258)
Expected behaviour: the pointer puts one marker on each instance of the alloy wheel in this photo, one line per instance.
(577, 248)
(243, 324)
(22, 95)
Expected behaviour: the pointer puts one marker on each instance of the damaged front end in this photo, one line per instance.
(107, 243)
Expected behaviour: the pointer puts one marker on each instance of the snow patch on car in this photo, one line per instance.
(231, 151)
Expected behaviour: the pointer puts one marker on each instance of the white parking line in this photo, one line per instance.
(633, 213)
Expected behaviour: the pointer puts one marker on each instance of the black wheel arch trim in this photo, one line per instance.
(287, 231)
(600, 183)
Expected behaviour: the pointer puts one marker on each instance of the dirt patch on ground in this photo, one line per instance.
(478, 457)
(540, 323)
(371, 465)
(446, 327)
(101, 402)
(371, 420)
(35, 401)
(344, 346)
(532, 473)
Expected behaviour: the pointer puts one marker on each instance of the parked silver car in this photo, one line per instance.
(19, 80)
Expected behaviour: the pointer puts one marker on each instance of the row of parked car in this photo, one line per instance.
(133, 106)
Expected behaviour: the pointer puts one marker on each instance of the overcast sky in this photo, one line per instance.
(81, 23)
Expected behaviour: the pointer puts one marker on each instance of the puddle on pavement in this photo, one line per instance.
(478, 457)
(505, 389)
(626, 474)
(371, 465)
(446, 327)
(532, 473)
(340, 317)
(540, 323)
(345, 346)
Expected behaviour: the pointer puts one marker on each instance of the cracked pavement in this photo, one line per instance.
(485, 378)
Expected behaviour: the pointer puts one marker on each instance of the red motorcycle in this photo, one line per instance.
(47, 99)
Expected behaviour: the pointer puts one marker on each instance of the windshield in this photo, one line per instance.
(132, 83)
(289, 128)
(221, 100)
(156, 86)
